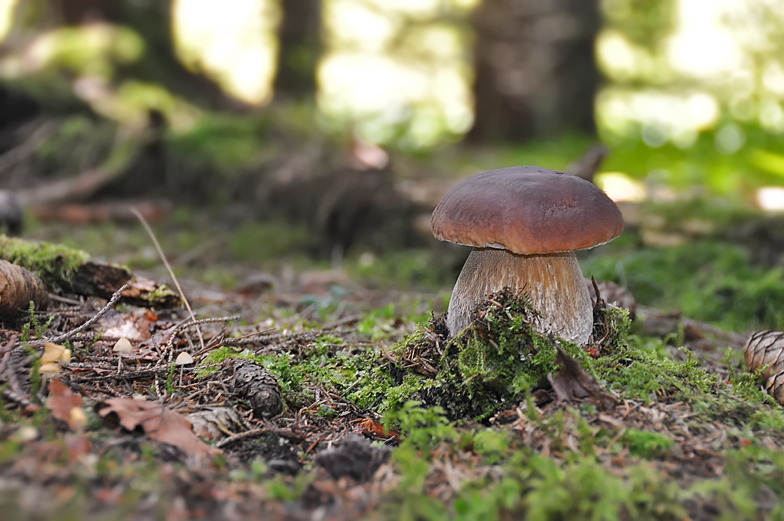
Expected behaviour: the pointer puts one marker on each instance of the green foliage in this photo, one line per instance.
(91, 50)
(639, 371)
(422, 428)
(378, 323)
(710, 281)
(644, 22)
(223, 142)
(540, 488)
(646, 444)
(170, 379)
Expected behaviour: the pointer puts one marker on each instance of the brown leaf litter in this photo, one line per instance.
(157, 422)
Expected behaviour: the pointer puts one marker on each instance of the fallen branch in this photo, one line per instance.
(241, 436)
(67, 336)
(72, 271)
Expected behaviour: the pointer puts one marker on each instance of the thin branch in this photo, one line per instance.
(70, 334)
(241, 436)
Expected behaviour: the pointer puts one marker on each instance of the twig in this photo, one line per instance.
(21, 399)
(246, 339)
(66, 336)
(171, 272)
(241, 436)
(64, 300)
(185, 325)
(169, 348)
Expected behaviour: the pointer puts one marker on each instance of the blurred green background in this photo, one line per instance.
(319, 134)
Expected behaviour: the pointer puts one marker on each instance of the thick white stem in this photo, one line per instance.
(554, 284)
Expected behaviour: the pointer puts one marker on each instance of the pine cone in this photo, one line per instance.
(17, 288)
(258, 386)
(767, 348)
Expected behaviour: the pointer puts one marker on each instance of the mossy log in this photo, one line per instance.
(70, 271)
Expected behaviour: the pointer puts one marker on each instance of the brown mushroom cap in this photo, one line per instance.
(527, 210)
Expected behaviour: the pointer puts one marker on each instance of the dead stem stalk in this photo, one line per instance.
(171, 272)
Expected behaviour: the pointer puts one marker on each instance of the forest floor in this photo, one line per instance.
(328, 399)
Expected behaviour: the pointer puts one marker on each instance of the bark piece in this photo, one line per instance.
(118, 211)
(19, 287)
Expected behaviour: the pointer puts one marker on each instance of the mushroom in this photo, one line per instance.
(56, 354)
(182, 360)
(123, 345)
(525, 223)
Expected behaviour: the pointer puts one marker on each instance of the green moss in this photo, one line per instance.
(646, 444)
(161, 294)
(218, 356)
(55, 264)
(708, 280)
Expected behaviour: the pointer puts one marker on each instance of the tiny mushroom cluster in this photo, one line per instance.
(525, 224)
(53, 358)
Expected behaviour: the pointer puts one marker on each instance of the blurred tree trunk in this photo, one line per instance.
(151, 19)
(534, 67)
(299, 37)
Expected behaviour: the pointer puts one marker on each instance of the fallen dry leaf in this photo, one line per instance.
(572, 381)
(370, 427)
(62, 401)
(131, 326)
(157, 422)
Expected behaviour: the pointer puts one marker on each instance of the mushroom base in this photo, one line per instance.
(553, 282)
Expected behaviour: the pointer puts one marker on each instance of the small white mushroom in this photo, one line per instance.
(182, 360)
(123, 345)
(49, 369)
(55, 354)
